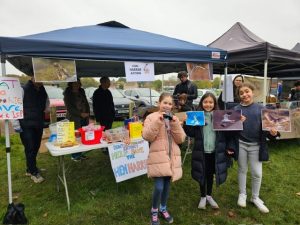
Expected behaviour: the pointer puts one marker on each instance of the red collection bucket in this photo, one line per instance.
(91, 137)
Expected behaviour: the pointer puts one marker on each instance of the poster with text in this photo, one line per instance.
(199, 71)
(54, 70)
(278, 119)
(129, 161)
(11, 99)
(139, 71)
(227, 120)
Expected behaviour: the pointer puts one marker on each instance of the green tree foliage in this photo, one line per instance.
(203, 84)
(23, 78)
(157, 85)
(216, 82)
(89, 82)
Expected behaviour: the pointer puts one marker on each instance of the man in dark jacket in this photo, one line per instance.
(34, 105)
(103, 104)
(185, 87)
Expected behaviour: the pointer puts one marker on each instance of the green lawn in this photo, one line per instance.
(97, 199)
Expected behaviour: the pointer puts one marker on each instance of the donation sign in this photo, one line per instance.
(11, 99)
(65, 132)
(139, 71)
(128, 161)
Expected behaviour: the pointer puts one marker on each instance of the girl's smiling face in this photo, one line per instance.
(208, 104)
(246, 95)
(166, 104)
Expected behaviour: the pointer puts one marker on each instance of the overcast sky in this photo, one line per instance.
(198, 21)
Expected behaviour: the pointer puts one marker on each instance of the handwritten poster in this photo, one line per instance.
(139, 71)
(11, 99)
(129, 161)
(65, 132)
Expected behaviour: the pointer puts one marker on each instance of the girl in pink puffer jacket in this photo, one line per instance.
(164, 132)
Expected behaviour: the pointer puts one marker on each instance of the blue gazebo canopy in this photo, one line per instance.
(101, 49)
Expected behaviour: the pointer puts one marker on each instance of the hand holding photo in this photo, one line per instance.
(195, 118)
(227, 120)
(278, 119)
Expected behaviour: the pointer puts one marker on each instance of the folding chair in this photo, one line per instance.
(188, 148)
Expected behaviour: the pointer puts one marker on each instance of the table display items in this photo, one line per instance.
(91, 134)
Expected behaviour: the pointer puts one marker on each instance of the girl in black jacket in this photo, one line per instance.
(209, 153)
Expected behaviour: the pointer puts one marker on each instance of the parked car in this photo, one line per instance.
(56, 99)
(141, 96)
(120, 101)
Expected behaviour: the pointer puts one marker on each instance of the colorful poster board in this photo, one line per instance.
(195, 118)
(54, 70)
(139, 71)
(227, 120)
(278, 119)
(128, 161)
(65, 132)
(11, 99)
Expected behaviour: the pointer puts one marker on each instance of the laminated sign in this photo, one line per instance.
(139, 71)
(135, 130)
(65, 132)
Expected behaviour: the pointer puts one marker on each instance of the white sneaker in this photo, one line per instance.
(242, 200)
(202, 203)
(212, 202)
(37, 178)
(259, 204)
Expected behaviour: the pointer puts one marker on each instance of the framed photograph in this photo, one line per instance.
(227, 120)
(278, 119)
(195, 118)
(54, 70)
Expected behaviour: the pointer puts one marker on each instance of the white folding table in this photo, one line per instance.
(61, 152)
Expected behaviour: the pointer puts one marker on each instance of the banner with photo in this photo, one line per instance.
(200, 71)
(139, 71)
(11, 99)
(128, 161)
(227, 120)
(54, 70)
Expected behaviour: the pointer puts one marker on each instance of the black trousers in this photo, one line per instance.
(206, 189)
(31, 139)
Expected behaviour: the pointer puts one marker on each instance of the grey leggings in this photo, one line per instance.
(249, 152)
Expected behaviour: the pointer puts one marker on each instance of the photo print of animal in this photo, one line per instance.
(203, 71)
(195, 118)
(54, 70)
(227, 120)
(278, 119)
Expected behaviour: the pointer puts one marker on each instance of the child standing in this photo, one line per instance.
(164, 133)
(209, 153)
(250, 146)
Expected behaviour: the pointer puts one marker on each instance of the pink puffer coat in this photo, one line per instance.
(159, 164)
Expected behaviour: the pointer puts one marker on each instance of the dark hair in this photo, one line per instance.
(206, 95)
(241, 76)
(181, 74)
(246, 85)
(70, 83)
(297, 83)
(103, 79)
(165, 95)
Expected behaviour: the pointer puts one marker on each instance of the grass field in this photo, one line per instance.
(97, 199)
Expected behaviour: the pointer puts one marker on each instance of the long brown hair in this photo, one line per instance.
(207, 94)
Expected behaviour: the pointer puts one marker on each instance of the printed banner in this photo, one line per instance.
(199, 71)
(139, 71)
(54, 70)
(11, 99)
(128, 161)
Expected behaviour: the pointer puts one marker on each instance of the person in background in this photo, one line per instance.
(279, 91)
(209, 154)
(294, 95)
(78, 110)
(250, 146)
(31, 132)
(103, 104)
(237, 81)
(185, 87)
(182, 104)
(164, 132)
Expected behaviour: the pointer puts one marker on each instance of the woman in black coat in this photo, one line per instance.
(209, 153)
